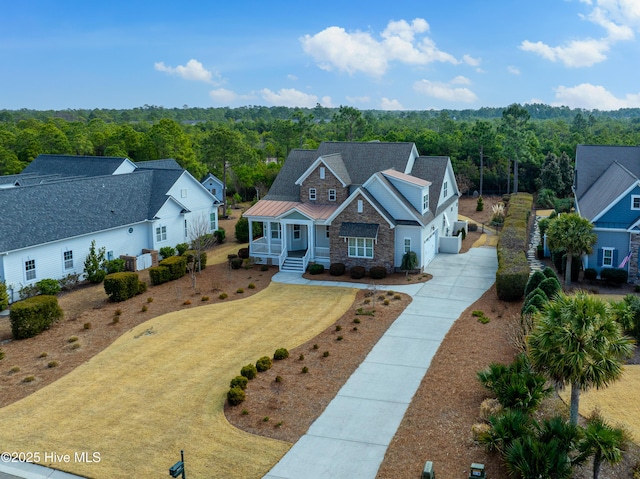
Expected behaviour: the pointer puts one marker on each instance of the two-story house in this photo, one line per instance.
(607, 193)
(53, 210)
(355, 203)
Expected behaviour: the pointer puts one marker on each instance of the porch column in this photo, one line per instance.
(311, 240)
(250, 236)
(267, 233)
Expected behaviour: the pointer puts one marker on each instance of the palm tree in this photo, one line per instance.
(602, 441)
(573, 234)
(577, 340)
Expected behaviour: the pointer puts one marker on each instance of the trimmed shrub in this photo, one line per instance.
(537, 301)
(534, 281)
(280, 353)
(357, 272)
(473, 227)
(550, 287)
(239, 382)
(190, 255)
(220, 235)
(249, 371)
(235, 396)
(116, 265)
(243, 253)
(337, 269)
(480, 204)
(236, 263)
(177, 266)
(378, 272)
(316, 268)
(549, 273)
(49, 287)
(167, 251)
(32, 316)
(590, 274)
(122, 286)
(263, 364)
(4, 296)
(242, 230)
(512, 275)
(181, 248)
(159, 275)
(614, 275)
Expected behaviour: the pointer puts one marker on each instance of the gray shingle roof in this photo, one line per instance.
(615, 180)
(67, 165)
(165, 164)
(593, 160)
(335, 163)
(433, 169)
(359, 230)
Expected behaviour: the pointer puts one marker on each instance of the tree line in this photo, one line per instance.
(493, 150)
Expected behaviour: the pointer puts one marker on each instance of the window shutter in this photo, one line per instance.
(615, 258)
(600, 256)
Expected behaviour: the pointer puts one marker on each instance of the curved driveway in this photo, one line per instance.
(350, 438)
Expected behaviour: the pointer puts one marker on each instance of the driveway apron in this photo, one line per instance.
(350, 438)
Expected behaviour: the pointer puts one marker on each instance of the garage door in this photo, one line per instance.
(429, 250)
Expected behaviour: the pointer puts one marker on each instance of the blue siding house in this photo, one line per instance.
(607, 193)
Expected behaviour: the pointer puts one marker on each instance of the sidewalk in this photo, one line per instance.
(26, 470)
(350, 438)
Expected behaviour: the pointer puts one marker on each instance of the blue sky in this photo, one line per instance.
(403, 55)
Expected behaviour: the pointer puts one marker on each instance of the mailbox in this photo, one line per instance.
(427, 472)
(476, 471)
(177, 469)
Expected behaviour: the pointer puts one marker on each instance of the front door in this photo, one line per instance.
(297, 237)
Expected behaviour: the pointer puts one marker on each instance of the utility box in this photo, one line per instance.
(476, 471)
(427, 472)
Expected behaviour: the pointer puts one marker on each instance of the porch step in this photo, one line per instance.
(293, 265)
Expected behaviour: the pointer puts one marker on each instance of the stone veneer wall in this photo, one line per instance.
(322, 188)
(382, 249)
(633, 262)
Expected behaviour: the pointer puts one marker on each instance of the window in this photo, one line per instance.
(186, 229)
(183, 192)
(326, 231)
(445, 189)
(312, 194)
(275, 230)
(332, 194)
(110, 256)
(296, 231)
(212, 221)
(360, 206)
(607, 257)
(407, 245)
(161, 233)
(635, 202)
(361, 247)
(213, 191)
(30, 269)
(322, 172)
(68, 259)
(425, 202)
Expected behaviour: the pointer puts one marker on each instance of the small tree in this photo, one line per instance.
(201, 239)
(4, 296)
(94, 264)
(573, 234)
(602, 441)
(409, 262)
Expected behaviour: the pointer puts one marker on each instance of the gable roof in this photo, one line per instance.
(413, 180)
(615, 182)
(335, 165)
(433, 169)
(68, 165)
(593, 160)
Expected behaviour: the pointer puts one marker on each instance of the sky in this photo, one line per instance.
(379, 55)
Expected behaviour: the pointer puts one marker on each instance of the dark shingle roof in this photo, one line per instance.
(67, 165)
(166, 164)
(433, 169)
(593, 160)
(605, 190)
(359, 230)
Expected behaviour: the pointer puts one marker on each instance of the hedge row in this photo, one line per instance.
(169, 269)
(513, 267)
(33, 315)
(122, 286)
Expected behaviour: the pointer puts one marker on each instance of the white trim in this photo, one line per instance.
(358, 192)
(334, 195)
(607, 248)
(633, 198)
(364, 247)
(314, 196)
(611, 204)
(402, 204)
(612, 230)
(313, 166)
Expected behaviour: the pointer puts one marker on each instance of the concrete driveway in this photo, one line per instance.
(350, 438)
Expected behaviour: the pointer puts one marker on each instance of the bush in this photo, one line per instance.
(357, 272)
(378, 272)
(243, 253)
(116, 265)
(480, 204)
(263, 364)
(220, 235)
(167, 251)
(49, 287)
(28, 291)
(473, 227)
(239, 382)
(537, 300)
(235, 396)
(249, 371)
(122, 286)
(549, 273)
(191, 255)
(159, 275)
(590, 274)
(94, 263)
(337, 269)
(181, 248)
(67, 283)
(550, 287)
(177, 266)
(236, 263)
(534, 281)
(32, 316)
(614, 275)
(316, 268)
(280, 353)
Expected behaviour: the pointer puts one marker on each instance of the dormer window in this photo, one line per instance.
(322, 172)
(332, 195)
(312, 194)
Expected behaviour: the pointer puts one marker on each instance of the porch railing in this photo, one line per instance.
(321, 252)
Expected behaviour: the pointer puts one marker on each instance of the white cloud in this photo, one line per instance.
(469, 60)
(193, 70)
(289, 97)
(387, 104)
(358, 99)
(460, 80)
(327, 102)
(513, 70)
(336, 49)
(223, 96)
(292, 77)
(444, 91)
(591, 97)
(577, 53)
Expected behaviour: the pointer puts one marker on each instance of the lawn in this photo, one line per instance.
(161, 387)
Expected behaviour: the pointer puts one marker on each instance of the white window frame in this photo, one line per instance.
(445, 189)
(635, 199)
(161, 234)
(360, 206)
(407, 245)
(313, 194)
(323, 173)
(297, 231)
(606, 250)
(67, 259)
(212, 221)
(276, 232)
(30, 269)
(183, 192)
(332, 194)
(425, 202)
(360, 248)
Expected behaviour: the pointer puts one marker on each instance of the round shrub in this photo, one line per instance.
(263, 364)
(243, 253)
(249, 371)
(236, 263)
(473, 227)
(549, 272)
(614, 275)
(537, 300)
(534, 281)
(48, 286)
(590, 274)
(280, 353)
(357, 272)
(235, 396)
(239, 382)
(550, 286)
(378, 272)
(337, 269)
(316, 268)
